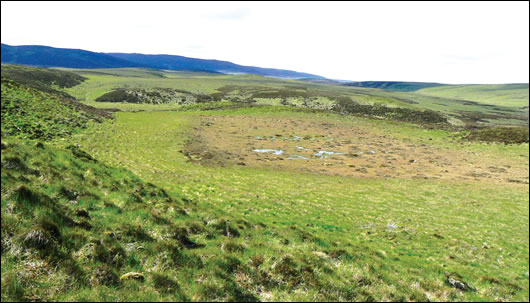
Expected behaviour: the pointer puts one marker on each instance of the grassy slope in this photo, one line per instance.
(71, 226)
(32, 113)
(510, 95)
(478, 231)
(41, 78)
(33, 105)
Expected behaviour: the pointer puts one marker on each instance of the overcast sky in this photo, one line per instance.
(473, 42)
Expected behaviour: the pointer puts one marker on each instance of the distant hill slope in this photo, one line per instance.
(514, 95)
(46, 56)
(394, 85)
(41, 78)
(184, 63)
(321, 81)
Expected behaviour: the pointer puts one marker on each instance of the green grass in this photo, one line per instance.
(509, 95)
(476, 230)
(29, 112)
(69, 223)
(394, 85)
(263, 90)
(40, 77)
(133, 107)
(99, 84)
(106, 199)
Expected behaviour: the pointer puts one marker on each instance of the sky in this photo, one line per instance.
(446, 42)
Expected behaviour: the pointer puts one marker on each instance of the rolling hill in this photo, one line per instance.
(513, 95)
(171, 62)
(394, 85)
(46, 56)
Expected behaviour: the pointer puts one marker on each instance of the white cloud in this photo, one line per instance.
(453, 42)
(237, 13)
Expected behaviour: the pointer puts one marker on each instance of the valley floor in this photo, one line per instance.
(406, 208)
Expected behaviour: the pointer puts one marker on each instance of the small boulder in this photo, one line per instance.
(456, 281)
(132, 275)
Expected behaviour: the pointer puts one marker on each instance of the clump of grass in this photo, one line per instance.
(257, 260)
(104, 275)
(506, 135)
(231, 246)
(25, 195)
(164, 284)
(225, 228)
(181, 235)
(38, 238)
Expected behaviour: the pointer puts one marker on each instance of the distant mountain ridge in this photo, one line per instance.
(394, 85)
(173, 62)
(46, 56)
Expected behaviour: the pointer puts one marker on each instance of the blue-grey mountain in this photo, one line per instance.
(45, 56)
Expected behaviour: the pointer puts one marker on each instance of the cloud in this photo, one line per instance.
(461, 58)
(233, 14)
(194, 46)
(456, 59)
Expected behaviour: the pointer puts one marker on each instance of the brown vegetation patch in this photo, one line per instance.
(340, 149)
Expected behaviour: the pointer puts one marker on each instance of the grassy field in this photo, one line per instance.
(258, 190)
(510, 95)
(397, 237)
(394, 85)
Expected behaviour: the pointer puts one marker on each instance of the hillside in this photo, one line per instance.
(75, 229)
(394, 85)
(174, 89)
(183, 63)
(33, 106)
(46, 56)
(209, 187)
(43, 79)
(511, 95)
